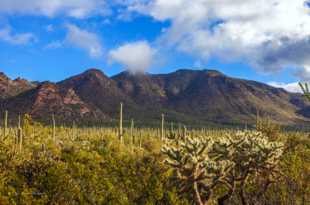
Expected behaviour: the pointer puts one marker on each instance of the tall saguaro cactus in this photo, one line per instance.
(54, 127)
(162, 126)
(171, 127)
(131, 132)
(19, 121)
(20, 138)
(5, 123)
(20, 134)
(121, 123)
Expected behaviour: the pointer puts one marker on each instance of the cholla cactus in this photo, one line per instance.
(197, 172)
(252, 155)
(257, 156)
(253, 152)
(201, 163)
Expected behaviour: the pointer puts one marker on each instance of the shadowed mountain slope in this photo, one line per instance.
(196, 97)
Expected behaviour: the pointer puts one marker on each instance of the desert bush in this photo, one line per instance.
(91, 166)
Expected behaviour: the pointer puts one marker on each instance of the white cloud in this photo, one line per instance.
(85, 40)
(291, 87)
(8, 36)
(51, 8)
(137, 57)
(54, 45)
(269, 34)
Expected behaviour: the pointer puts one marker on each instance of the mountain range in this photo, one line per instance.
(195, 97)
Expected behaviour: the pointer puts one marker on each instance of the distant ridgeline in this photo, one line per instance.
(197, 98)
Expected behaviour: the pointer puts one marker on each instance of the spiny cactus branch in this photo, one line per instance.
(305, 89)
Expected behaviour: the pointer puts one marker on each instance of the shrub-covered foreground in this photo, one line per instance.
(91, 166)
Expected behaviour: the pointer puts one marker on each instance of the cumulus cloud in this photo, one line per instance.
(291, 87)
(137, 57)
(85, 40)
(269, 34)
(8, 36)
(51, 8)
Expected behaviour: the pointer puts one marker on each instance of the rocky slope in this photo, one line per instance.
(10, 88)
(188, 96)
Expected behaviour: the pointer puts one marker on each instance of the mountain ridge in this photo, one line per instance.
(186, 96)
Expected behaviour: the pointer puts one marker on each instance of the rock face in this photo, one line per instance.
(10, 88)
(50, 99)
(47, 99)
(194, 97)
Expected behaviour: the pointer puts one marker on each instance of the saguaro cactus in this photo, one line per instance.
(19, 134)
(162, 126)
(19, 122)
(54, 127)
(5, 123)
(73, 133)
(171, 127)
(184, 131)
(20, 138)
(121, 123)
(140, 140)
(131, 132)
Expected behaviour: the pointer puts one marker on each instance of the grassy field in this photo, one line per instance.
(61, 165)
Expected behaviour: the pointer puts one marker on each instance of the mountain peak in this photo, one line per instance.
(90, 75)
(3, 76)
(213, 73)
(93, 72)
(207, 71)
(128, 74)
(186, 70)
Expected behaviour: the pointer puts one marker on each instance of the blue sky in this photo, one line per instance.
(57, 39)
